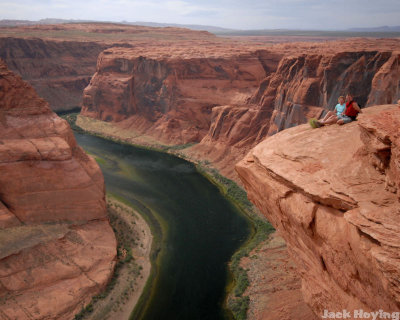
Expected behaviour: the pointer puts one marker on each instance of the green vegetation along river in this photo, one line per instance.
(196, 230)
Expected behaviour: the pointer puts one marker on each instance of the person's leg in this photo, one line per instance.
(344, 120)
(327, 116)
(331, 120)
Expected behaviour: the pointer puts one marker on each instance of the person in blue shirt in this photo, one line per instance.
(332, 116)
(339, 109)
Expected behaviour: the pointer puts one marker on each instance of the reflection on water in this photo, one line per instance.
(201, 229)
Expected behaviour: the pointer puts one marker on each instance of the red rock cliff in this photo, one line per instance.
(57, 248)
(303, 86)
(169, 94)
(334, 193)
(58, 70)
(59, 60)
(231, 99)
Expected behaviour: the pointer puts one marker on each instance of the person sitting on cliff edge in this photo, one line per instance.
(347, 116)
(332, 116)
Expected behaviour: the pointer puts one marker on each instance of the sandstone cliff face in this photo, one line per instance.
(230, 101)
(59, 60)
(333, 193)
(303, 86)
(57, 248)
(58, 70)
(171, 97)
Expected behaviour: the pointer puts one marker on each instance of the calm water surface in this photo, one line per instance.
(199, 229)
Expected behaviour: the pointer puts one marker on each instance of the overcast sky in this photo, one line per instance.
(249, 14)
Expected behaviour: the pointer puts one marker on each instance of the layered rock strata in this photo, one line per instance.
(230, 100)
(170, 96)
(333, 193)
(57, 248)
(58, 70)
(303, 86)
(59, 60)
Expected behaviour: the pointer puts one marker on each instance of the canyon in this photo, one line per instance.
(344, 252)
(333, 193)
(180, 86)
(228, 101)
(57, 70)
(59, 60)
(57, 248)
(221, 100)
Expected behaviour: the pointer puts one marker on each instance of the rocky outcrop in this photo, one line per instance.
(333, 193)
(57, 248)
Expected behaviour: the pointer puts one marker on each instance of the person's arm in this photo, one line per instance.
(355, 106)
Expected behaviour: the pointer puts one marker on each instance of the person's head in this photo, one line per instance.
(349, 97)
(398, 103)
(341, 100)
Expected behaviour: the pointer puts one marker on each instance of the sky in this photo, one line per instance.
(249, 14)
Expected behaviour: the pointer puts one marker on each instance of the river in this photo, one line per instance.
(197, 228)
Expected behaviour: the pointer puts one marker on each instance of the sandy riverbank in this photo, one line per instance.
(132, 274)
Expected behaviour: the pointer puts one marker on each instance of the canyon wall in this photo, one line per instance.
(229, 101)
(58, 70)
(333, 193)
(168, 97)
(304, 86)
(57, 248)
(59, 60)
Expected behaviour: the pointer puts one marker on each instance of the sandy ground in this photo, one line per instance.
(132, 277)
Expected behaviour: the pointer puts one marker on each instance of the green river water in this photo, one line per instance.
(196, 229)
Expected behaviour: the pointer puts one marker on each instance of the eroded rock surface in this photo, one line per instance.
(333, 193)
(58, 70)
(230, 97)
(59, 60)
(304, 86)
(169, 95)
(57, 248)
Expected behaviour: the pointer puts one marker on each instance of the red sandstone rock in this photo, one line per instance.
(59, 60)
(304, 86)
(58, 70)
(57, 248)
(169, 96)
(230, 100)
(333, 195)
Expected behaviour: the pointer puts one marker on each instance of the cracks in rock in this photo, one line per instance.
(294, 159)
(37, 149)
(333, 202)
(4, 316)
(8, 207)
(363, 234)
(323, 264)
(311, 226)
